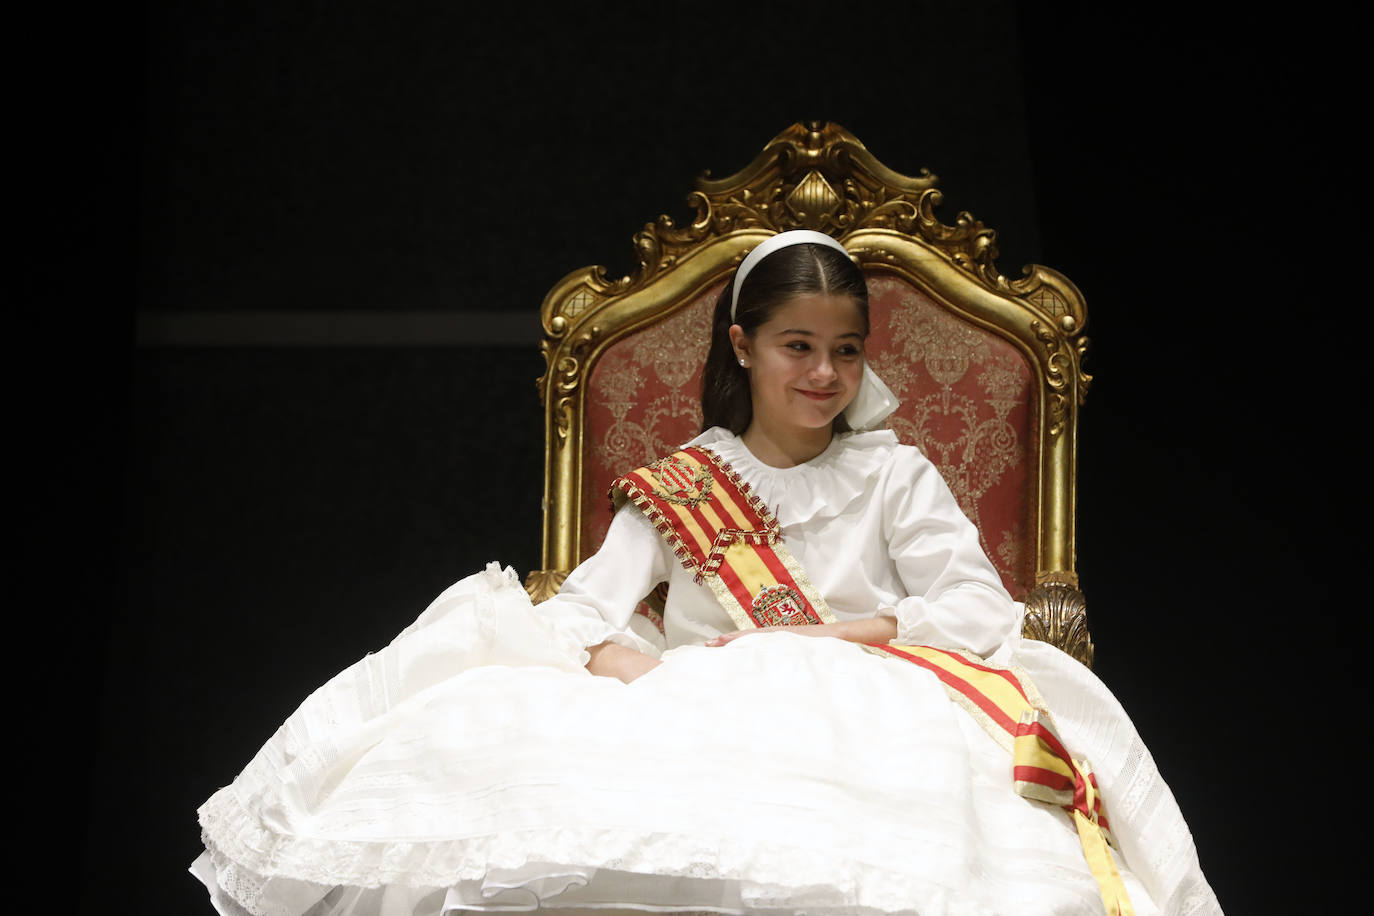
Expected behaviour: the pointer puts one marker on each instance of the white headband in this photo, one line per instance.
(767, 247)
(874, 401)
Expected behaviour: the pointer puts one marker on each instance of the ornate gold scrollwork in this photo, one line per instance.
(569, 374)
(813, 201)
(1056, 613)
(819, 176)
(1054, 361)
(1084, 379)
(542, 584)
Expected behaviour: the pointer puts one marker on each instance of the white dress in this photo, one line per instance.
(474, 763)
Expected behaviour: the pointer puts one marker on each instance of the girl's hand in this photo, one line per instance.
(805, 630)
(614, 660)
(874, 629)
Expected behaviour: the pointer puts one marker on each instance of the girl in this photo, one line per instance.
(799, 748)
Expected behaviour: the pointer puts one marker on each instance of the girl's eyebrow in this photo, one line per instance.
(807, 333)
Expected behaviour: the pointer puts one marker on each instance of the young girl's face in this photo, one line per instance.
(805, 363)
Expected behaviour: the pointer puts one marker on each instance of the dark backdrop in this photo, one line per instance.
(255, 505)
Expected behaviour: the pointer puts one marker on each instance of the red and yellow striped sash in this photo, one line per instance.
(721, 531)
(1042, 768)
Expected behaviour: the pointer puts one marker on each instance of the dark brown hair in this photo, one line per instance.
(782, 276)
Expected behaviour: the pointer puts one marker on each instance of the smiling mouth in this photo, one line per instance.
(818, 395)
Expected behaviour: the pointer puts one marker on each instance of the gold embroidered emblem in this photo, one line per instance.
(679, 481)
(779, 606)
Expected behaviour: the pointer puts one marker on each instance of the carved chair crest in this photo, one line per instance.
(988, 369)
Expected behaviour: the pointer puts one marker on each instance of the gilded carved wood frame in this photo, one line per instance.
(818, 176)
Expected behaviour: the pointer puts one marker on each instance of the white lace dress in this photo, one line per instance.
(474, 763)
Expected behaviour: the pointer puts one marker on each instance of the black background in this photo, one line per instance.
(223, 528)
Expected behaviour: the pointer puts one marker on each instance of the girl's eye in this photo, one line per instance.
(799, 345)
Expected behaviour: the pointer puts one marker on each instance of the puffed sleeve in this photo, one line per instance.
(955, 597)
(599, 597)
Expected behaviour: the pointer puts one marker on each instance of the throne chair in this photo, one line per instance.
(988, 370)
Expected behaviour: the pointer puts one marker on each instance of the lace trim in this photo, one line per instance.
(272, 875)
(823, 486)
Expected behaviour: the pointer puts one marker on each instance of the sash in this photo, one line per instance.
(725, 534)
(721, 531)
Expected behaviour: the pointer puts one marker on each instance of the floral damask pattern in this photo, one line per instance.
(965, 396)
(643, 402)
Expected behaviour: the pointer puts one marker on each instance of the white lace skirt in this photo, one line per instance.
(473, 764)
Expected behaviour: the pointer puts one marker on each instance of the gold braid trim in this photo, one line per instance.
(626, 489)
(770, 522)
(799, 576)
(769, 533)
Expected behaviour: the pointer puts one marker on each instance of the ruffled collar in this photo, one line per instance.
(819, 488)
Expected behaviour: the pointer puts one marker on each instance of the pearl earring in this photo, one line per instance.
(743, 363)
